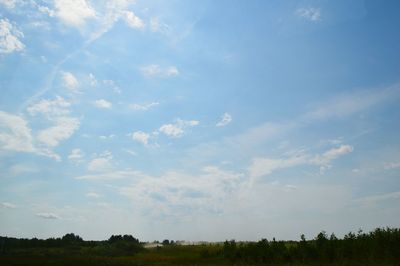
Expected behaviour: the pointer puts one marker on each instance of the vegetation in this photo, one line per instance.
(379, 247)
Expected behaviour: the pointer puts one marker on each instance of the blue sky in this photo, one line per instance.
(198, 120)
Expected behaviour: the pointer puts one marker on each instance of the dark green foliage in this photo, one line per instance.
(379, 247)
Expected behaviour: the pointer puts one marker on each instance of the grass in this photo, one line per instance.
(165, 256)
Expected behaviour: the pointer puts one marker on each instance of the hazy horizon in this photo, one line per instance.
(198, 120)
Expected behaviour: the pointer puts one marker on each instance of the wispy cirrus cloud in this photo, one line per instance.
(391, 165)
(157, 26)
(7, 205)
(57, 113)
(112, 175)
(175, 193)
(15, 134)
(48, 215)
(309, 13)
(337, 107)
(159, 71)
(374, 199)
(57, 107)
(63, 129)
(104, 104)
(111, 12)
(351, 103)
(143, 107)
(265, 166)
(225, 120)
(93, 195)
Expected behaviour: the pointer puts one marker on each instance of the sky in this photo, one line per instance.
(198, 120)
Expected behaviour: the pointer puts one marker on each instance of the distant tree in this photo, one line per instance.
(230, 250)
(71, 238)
(124, 238)
(115, 238)
(165, 242)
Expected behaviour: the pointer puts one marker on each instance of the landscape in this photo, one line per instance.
(200, 132)
(379, 247)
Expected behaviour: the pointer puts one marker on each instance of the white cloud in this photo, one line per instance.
(111, 136)
(92, 195)
(342, 106)
(7, 205)
(46, 10)
(158, 71)
(113, 85)
(112, 175)
(378, 198)
(48, 215)
(355, 170)
(171, 71)
(176, 130)
(391, 165)
(22, 168)
(73, 12)
(63, 126)
(151, 70)
(132, 20)
(70, 81)
(10, 4)
(92, 80)
(330, 155)
(143, 107)
(114, 10)
(226, 119)
(265, 166)
(76, 155)
(157, 26)
(9, 38)
(172, 130)
(191, 123)
(101, 163)
(349, 104)
(103, 104)
(177, 194)
(63, 129)
(131, 152)
(309, 13)
(56, 107)
(15, 135)
(141, 137)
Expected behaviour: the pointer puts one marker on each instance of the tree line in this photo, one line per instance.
(378, 247)
(115, 245)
